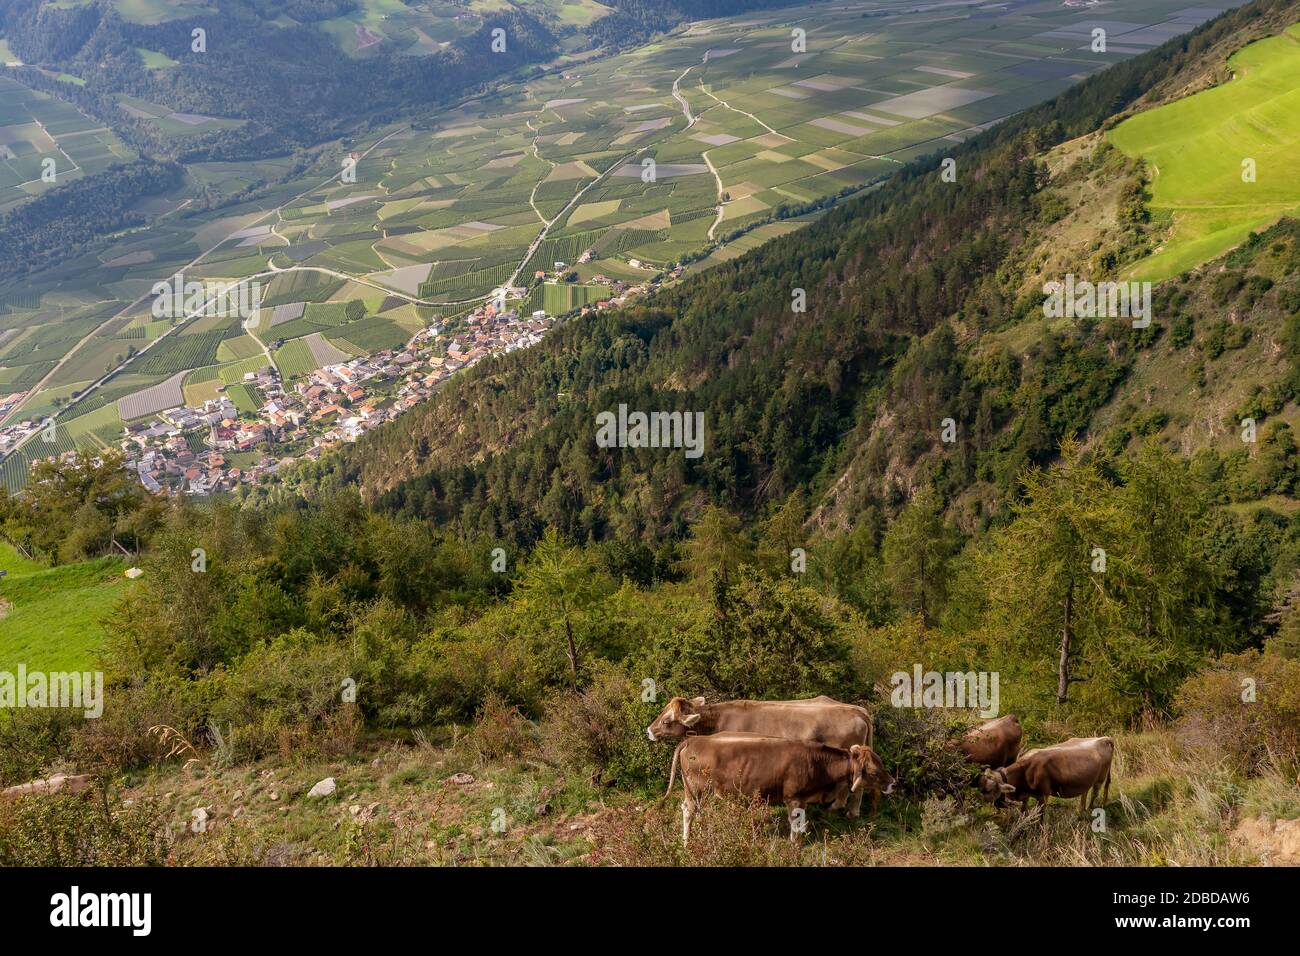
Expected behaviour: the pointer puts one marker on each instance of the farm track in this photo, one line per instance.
(691, 119)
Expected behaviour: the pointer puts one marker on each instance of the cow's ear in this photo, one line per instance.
(855, 749)
(1006, 788)
(690, 720)
(697, 701)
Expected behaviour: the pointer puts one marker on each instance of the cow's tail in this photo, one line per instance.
(672, 771)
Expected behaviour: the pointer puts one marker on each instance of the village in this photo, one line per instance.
(216, 447)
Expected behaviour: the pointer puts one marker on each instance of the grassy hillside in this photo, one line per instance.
(1196, 147)
(398, 805)
(51, 618)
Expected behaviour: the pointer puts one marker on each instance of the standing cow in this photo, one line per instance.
(815, 719)
(796, 773)
(1079, 767)
(994, 743)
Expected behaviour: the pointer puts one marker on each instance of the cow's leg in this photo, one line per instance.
(688, 812)
(1105, 795)
(842, 797)
(1085, 800)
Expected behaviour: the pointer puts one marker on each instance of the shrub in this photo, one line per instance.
(499, 730)
(79, 830)
(1256, 734)
(919, 747)
(31, 740)
(120, 739)
(764, 638)
(286, 696)
(600, 731)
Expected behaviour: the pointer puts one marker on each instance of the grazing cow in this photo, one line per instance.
(821, 720)
(994, 743)
(776, 769)
(1080, 767)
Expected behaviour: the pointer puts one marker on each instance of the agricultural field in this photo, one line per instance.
(42, 136)
(418, 28)
(171, 123)
(698, 146)
(1222, 162)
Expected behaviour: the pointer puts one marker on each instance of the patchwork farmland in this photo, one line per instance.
(43, 137)
(687, 150)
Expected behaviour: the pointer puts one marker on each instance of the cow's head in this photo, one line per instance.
(868, 771)
(993, 785)
(677, 719)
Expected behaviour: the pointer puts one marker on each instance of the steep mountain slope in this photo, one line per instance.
(923, 304)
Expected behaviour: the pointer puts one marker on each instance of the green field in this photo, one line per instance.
(1195, 149)
(69, 601)
(245, 398)
(37, 129)
(294, 359)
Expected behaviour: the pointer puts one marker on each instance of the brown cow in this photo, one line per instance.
(1080, 767)
(776, 769)
(994, 743)
(821, 720)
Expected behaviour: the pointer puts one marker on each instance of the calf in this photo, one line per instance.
(1080, 767)
(796, 773)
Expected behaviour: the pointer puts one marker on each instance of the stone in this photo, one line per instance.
(323, 788)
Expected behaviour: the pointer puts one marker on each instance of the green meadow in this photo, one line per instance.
(70, 601)
(1195, 149)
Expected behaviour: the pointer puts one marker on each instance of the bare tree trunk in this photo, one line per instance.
(921, 584)
(573, 652)
(1063, 669)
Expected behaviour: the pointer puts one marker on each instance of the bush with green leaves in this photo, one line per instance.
(286, 693)
(920, 748)
(1245, 708)
(759, 638)
(600, 730)
(79, 830)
